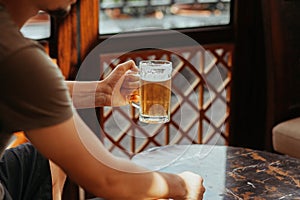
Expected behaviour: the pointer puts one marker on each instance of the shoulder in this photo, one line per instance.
(34, 94)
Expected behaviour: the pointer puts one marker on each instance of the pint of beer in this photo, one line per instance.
(155, 91)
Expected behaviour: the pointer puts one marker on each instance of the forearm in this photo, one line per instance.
(133, 182)
(89, 94)
(114, 90)
(115, 178)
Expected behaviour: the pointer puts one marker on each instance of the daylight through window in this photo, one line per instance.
(117, 16)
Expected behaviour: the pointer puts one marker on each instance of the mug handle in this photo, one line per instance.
(131, 102)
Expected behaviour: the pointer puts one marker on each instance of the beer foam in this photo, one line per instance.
(156, 74)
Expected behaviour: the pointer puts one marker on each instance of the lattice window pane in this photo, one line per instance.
(200, 102)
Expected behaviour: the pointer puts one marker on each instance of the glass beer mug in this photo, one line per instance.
(154, 91)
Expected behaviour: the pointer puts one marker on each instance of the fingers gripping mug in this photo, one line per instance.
(154, 91)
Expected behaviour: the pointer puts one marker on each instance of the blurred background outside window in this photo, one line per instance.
(117, 16)
(38, 27)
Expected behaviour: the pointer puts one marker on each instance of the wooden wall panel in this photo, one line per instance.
(89, 26)
(65, 42)
(74, 36)
(282, 34)
(248, 101)
(266, 83)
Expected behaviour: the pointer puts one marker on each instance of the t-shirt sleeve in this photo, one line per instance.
(34, 94)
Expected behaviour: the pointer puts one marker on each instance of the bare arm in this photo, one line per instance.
(82, 156)
(112, 91)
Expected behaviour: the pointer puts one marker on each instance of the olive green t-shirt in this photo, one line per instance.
(32, 89)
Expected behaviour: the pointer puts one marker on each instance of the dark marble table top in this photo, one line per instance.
(230, 172)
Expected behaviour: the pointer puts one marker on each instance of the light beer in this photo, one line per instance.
(155, 98)
(154, 91)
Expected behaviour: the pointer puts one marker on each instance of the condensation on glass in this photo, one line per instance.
(118, 16)
(37, 27)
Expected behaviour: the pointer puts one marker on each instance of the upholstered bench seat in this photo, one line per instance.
(286, 137)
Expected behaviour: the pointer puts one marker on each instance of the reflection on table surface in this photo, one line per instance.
(230, 172)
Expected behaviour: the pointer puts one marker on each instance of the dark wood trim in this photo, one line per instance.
(164, 39)
(248, 97)
(282, 33)
(265, 82)
(207, 35)
(276, 106)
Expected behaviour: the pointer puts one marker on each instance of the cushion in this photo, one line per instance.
(286, 137)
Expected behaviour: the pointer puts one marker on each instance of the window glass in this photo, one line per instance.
(38, 27)
(118, 16)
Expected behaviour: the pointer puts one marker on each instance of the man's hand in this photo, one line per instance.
(121, 83)
(194, 186)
